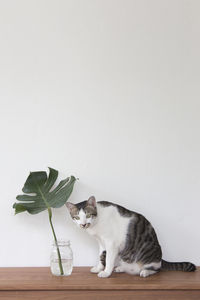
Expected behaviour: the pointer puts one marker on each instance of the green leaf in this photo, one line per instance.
(40, 196)
(18, 208)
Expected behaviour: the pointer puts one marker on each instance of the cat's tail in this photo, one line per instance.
(177, 266)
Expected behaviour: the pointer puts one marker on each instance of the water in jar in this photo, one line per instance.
(66, 258)
(67, 265)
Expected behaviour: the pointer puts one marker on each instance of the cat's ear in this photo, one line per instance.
(91, 201)
(70, 206)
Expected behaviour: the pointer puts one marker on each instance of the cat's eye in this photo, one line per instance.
(88, 215)
(76, 218)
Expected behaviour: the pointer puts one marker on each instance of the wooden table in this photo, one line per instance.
(39, 283)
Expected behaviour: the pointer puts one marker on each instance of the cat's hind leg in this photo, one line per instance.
(130, 268)
(119, 269)
(145, 273)
(150, 269)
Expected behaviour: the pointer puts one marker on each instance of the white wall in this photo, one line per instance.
(108, 91)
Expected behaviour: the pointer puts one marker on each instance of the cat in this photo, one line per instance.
(127, 241)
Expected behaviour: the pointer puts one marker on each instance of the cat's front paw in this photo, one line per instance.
(95, 269)
(104, 274)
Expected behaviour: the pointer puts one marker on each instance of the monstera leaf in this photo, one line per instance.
(38, 195)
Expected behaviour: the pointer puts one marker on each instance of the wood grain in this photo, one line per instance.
(82, 279)
(100, 295)
(39, 283)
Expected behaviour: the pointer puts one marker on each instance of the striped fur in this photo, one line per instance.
(177, 266)
(165, 265)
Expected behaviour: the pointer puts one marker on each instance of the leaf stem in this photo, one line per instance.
(56, 242)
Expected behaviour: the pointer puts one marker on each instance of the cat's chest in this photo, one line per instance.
(110, 226)
(98, 230)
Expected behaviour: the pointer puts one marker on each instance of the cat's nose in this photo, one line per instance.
(83, 225)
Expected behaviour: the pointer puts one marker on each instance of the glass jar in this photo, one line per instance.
(66, 255)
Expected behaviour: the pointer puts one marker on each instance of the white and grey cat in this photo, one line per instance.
(127, 241)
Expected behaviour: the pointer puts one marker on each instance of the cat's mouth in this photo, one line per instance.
(84, 226)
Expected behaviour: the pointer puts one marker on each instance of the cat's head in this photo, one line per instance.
(84, 213)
